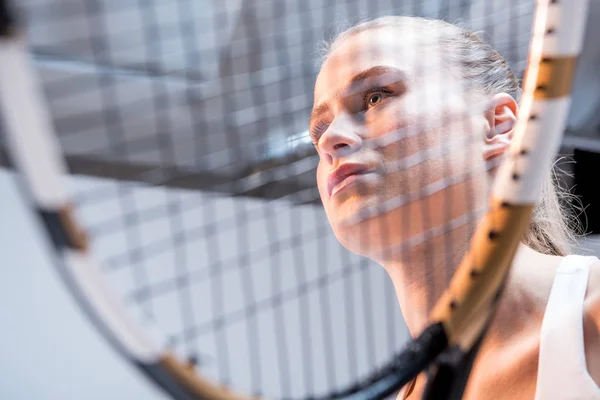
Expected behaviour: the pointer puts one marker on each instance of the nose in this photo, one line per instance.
(340, 140)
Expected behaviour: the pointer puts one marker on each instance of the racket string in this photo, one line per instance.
(248, 163)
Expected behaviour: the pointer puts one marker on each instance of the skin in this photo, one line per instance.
(365, 91)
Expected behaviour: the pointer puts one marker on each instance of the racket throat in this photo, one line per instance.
(448, 376)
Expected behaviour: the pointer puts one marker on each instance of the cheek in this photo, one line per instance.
(388, 119)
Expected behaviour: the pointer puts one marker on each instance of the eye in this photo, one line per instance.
(374, 97)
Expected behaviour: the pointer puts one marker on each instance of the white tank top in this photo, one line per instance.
(562, 371)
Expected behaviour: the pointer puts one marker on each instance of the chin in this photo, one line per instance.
(372, 236)
(367, 238)
(380, 236)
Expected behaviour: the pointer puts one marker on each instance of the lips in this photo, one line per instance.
(343, 174)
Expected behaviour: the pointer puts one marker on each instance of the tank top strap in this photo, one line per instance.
(562, 371)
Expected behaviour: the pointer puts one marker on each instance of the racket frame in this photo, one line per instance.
(462, 314)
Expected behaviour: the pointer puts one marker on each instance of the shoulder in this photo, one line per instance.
(591, 322)
(592, 296)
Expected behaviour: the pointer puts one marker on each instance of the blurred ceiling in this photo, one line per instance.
(216, 95)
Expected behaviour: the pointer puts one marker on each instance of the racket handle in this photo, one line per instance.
(448, 377)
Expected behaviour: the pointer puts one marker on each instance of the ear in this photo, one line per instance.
(502, 118)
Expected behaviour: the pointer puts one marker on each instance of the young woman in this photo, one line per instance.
(402, 104)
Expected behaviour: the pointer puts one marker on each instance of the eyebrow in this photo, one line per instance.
(352, 85)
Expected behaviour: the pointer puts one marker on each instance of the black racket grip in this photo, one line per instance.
(421, 352)
(405, 366)
(449, 375)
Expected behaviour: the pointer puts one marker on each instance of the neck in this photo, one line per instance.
(421, 277)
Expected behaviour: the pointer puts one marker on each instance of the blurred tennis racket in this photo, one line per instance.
(168, 161)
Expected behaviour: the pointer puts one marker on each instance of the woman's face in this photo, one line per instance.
(387, 111)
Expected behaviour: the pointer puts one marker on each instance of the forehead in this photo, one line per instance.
(406, 48)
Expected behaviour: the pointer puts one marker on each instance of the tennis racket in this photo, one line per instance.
(163, 146)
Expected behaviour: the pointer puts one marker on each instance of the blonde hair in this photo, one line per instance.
(553, 225)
